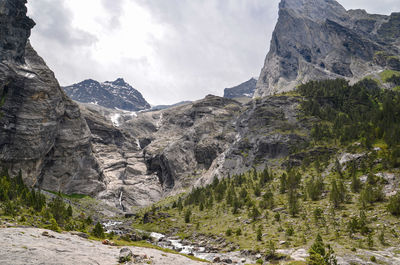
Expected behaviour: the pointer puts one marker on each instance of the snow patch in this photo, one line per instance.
(115, 119)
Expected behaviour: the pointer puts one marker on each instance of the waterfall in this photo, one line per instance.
(120, 200)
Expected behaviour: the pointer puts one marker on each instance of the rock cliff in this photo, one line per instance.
(42, 132)
(159, 153)
(319, 39)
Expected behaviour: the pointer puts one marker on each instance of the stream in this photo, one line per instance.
(184, 247)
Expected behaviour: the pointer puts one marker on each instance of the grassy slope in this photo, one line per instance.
(218, 219)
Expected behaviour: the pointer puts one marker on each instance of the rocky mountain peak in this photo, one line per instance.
(116, 94)
(90, 82)
(314, 9)
(15, 29)
(319, 39)
(119, 82)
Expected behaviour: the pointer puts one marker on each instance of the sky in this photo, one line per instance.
(169, 50)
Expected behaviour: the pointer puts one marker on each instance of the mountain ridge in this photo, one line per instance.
(245, 89)
(116, 94)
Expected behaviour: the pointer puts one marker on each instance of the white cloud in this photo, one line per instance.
(169, 50)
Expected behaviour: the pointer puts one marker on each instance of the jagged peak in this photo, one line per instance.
(117, 82)
(120, 82)
(88, 81)
(314, 9)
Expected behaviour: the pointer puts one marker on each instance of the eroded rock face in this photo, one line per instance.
(267, 131)
(42, 132)
(164, 152)
(161, 152)
(319, 39)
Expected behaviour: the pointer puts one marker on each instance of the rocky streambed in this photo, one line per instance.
(214, 249)
(200, 246)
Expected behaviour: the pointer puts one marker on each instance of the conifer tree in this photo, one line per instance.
(98, 230)
(318, 254)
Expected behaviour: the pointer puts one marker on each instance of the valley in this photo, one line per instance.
(301, 166)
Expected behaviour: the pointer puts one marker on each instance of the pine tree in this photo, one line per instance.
(394, 204)
(293, 202)
(334, 195)
(259, 233)
(188, 213)
(255, 213)
(180, 205)
(98, 231)
(283, 183)
(57, 209)
(69, 211)
(318, 254)
(355, 183)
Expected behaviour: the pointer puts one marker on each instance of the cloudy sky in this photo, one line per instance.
(170, 50)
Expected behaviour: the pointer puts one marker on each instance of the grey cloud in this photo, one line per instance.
(115, 9)
(376, 7)
(53, 21)
(209, 44)
(214, 44)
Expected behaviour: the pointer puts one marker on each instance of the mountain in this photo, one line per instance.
(308, 177)
(115, 95)
(319, 39)
(43, 134)
(245, 89)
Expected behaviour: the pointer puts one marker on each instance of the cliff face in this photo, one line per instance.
(42, 132)
(319, 39)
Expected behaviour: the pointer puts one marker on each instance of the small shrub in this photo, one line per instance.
(239, 232)
(394, 205)
(54, 225)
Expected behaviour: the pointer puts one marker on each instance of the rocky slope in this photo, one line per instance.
(155, 154)
(42, 131)
(316, 40)
(114, 95)
(245, 89)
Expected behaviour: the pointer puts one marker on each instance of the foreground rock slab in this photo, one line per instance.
(29, 246)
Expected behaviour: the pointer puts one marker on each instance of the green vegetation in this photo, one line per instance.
(362, 112)
(30, 207)
(98, 231)
(343, 203)
(389, 76)
(319, 255)
(394, 204)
